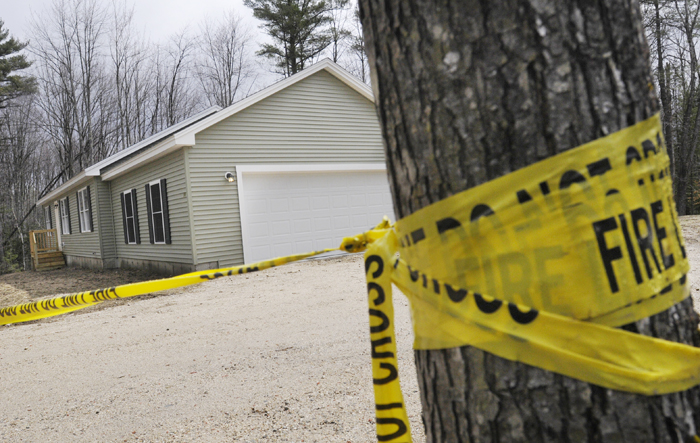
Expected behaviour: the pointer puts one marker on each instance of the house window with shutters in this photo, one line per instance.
(130, 218)
(158, 217)
(84, 209)
(64, 209)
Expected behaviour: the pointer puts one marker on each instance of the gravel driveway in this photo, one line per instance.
(279, 355)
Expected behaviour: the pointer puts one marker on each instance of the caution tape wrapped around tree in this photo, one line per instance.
(538, 266)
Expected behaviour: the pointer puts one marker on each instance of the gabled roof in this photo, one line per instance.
(186, 137)
(325, 64)
(183, 133)
(94, 170)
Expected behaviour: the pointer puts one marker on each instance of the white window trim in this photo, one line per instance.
(65, 218)
(83, 211)
(133, 215)
(152, 214)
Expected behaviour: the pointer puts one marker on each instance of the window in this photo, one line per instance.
(158, 218)
(64, 209)
(84, 209)
(47, 217)
(130, 218)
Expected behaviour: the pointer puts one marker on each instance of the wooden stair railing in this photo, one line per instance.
(45, 252)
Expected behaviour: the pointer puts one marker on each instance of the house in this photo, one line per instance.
(292, 168)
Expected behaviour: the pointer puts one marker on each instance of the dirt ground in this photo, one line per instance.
(21, 287)
(276, 356)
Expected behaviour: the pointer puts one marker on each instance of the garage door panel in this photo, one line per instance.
(258, 206)
(259, 230)
(360, 220)
(289, 213)
(341, 222)
(375, 199)
(340, 202)
(281, 228)
(324, 243)
(261, 251)
(300, 203)
(358, 201)
(282, 249)
(320, 202)
(279, 205)
(305, 245)
(302, 226)
(322, 224)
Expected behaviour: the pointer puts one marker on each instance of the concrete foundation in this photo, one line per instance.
(87, 262)
(158, 267)
(165, 268)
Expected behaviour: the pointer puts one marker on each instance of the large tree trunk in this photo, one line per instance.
(468, 91)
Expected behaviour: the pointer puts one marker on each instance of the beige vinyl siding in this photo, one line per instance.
(82, 244)
(103, 218)
(171, 168)
(317, 120)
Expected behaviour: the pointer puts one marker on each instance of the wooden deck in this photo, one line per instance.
(45, 251)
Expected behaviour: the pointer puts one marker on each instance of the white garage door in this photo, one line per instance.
(285, 213)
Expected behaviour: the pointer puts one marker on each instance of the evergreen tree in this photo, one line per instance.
(12, 86)
(298, 28)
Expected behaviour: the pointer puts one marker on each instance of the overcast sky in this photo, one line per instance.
(158, 18)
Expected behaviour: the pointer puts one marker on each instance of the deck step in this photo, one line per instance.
(45, 261)
(50, 254)
(51, 263)
(50, 268)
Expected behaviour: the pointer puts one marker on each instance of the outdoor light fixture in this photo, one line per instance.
(230, 177)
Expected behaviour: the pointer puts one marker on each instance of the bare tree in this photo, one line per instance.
(338, 28)
(132, 85)
(176, 96)
(358, 63)
(24, 167)
(67, 44)
(224, 66)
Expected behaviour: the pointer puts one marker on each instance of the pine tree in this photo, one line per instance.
(12, 86)
(298, 28)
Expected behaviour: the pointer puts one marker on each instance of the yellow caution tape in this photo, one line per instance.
(590, 234)
(61, 305)
(537, 266)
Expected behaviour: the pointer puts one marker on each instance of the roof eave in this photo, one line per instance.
(94, 170)
(74, 182)
(167, 146)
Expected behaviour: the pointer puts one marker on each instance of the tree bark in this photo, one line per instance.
(468, 91)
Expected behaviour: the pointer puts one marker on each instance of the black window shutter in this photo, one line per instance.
(136, 216)
(126, 234)
(70, 231)
(166, 214)
(92, 226)
(150, 215)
